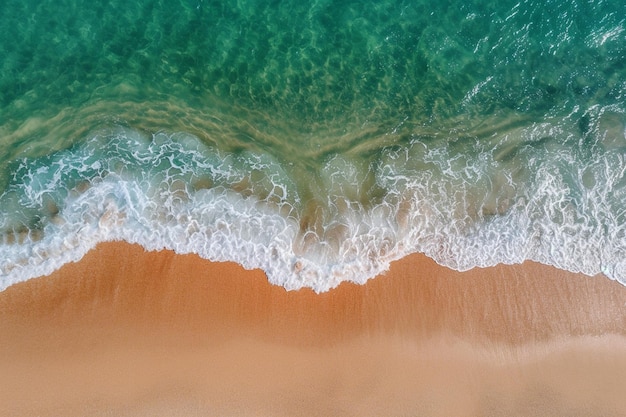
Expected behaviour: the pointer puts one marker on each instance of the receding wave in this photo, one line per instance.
(529, 194)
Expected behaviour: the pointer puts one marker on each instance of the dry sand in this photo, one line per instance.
(129, 333)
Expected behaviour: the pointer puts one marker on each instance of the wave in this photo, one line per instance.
(535, 192)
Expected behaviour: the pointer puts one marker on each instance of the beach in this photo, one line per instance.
(125, 332)
(258, 208)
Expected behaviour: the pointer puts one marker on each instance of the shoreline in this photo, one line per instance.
(129, 332)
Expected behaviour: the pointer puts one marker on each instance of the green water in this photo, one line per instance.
(309, 70)
(450, 111)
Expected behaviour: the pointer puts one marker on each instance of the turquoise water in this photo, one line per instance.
(318, 141)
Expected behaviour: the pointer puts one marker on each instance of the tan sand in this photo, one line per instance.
(129, 333)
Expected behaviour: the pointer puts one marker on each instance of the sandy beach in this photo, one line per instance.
(126, 332)
(316, 141)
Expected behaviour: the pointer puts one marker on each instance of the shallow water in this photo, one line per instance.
(317, 141)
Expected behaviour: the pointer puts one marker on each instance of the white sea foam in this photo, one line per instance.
(172, 191)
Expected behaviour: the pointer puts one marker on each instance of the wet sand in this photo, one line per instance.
(124, 332)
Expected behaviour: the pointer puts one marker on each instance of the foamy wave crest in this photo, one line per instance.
(174, 192)
(458, 204)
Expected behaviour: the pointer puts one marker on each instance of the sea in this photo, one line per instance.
(316, 140)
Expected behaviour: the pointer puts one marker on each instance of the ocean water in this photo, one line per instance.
(318, 141)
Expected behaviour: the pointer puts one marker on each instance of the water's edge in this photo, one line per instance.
(174, 191)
